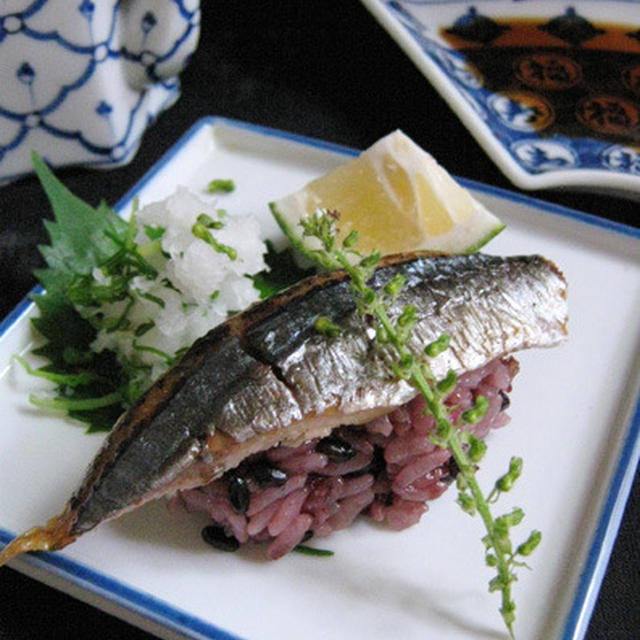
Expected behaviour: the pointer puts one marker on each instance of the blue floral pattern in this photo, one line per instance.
(508, 120)
(116, 68)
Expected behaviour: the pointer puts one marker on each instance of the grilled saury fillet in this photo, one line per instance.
(267, 377)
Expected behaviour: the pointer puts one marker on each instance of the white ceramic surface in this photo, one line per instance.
(532, 154)
(81, 81)
(576, 422)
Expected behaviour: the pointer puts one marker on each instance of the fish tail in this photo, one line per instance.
(52, 536)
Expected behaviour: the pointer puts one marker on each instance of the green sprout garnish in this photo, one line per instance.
(466, 449)
(202, 230)
(220, 185)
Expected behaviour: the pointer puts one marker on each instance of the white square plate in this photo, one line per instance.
(576, 422)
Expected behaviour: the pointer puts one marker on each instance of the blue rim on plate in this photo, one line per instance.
(150, 609)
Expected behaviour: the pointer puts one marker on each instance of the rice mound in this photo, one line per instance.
(388, 469)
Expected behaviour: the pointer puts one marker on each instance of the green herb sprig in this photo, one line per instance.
(466, 449)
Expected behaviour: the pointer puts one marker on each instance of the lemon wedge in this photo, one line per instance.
(398, 198)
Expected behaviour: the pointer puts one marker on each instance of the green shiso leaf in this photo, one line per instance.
(282, 271)
(80, 238)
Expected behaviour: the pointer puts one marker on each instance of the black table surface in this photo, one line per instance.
(324, 69)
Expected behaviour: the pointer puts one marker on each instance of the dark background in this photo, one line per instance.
(324, 69)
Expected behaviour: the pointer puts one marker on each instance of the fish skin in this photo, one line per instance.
(258, 378)
(168, 437)
(489, 306)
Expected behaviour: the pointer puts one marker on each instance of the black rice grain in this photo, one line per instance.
(218, 538)
(336, 449)
(239, 494)
(266, 475)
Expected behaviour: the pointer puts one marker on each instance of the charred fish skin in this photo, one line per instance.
(214, 385)
(265, 374)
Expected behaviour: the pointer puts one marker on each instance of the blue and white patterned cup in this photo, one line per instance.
(80, 81)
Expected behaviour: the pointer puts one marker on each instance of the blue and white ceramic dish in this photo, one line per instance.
(549, 88)
(81, 81)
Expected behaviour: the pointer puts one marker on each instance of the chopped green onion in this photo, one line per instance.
(312, 551)
(220, 185)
